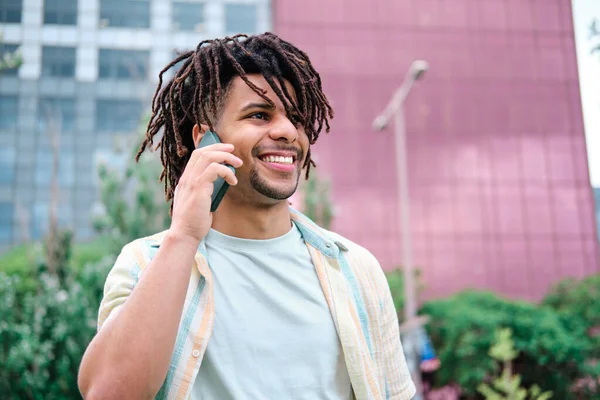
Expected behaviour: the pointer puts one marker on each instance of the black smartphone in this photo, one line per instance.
(221, 184)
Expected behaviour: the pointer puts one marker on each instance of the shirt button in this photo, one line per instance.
(328, 245)
(196, 353)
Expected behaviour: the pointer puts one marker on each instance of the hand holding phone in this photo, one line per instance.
(220, 185)
(207, 176)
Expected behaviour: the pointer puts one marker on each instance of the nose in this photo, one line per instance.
(283, 129)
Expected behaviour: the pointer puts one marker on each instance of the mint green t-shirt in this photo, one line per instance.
(273, 335)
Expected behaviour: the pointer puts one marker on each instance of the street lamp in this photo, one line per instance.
(395, 108)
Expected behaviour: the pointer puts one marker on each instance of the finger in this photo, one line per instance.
(218, 157)
(215, 147)
(214, 170)
(197, 153)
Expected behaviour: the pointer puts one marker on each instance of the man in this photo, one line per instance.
(252, 301)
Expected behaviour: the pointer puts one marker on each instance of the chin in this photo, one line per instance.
(274, 190)
(274, 193)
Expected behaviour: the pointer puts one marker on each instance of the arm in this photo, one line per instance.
(130, 356)
(116, 367)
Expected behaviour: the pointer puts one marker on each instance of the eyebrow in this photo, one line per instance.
(263, 106)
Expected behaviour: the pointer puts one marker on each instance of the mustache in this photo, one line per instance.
(261, 150)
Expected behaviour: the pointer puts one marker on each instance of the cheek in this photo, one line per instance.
(243, 150)
(240, 142)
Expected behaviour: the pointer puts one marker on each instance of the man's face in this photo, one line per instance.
(272, 148)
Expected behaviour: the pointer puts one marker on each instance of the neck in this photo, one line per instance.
(249, 221)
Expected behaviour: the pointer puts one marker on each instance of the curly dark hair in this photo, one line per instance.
(199, 88)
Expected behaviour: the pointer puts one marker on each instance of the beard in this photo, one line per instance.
(275, 192)
(271, 191)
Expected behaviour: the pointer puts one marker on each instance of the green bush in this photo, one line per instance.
(44, 333)
(507, 386)
(90, 252)
(49, 300)
(317, 204)
(23, 259)
(579, 298)
(552, 347)
(395, 279)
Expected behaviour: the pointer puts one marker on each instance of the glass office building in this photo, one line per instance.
(89, 72)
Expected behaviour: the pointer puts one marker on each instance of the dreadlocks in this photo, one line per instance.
(198, 90)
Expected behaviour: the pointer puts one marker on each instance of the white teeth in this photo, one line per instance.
(279, 159)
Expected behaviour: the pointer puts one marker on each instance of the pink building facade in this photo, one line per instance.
(499, 179)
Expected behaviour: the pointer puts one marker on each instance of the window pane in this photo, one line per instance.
(58, 61)
(66, 168)
(118, 115)
(8, 50)
(240, 18)
(44, 166)
(125, 13)
(188, 16)
(9, 110)
(11, 10)
(6, 213)
(61, 12)
(123, 64)
(39, 222)
(57, 114)
(7, 164)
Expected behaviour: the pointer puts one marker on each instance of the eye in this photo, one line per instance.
(296, 120)
(258, 115)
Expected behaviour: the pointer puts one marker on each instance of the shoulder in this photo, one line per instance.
(140, 251)
(360, 259)
(352, 249)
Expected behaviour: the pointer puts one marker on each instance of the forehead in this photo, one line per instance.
(239, 93)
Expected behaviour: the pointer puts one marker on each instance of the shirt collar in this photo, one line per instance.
(311, 232)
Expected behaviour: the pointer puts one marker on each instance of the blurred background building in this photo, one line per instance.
(90, 68)
(499, 179)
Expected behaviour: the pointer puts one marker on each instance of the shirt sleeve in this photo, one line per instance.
(120, 282)
(398, 381)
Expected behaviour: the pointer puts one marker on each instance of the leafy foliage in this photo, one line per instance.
(48, 313)
(44, 331)
(579, 298)
(317, 200)
(10, 60)
(133, 201)
(24, 260)
(553, 348)
(508, 386)
(395, 279)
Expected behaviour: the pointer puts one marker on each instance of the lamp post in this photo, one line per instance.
(395, 109)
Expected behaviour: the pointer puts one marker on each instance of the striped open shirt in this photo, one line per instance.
(355, 289)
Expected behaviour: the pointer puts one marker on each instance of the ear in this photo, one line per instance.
(198, 133)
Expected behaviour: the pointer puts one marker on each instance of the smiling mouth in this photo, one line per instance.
(278, 159)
